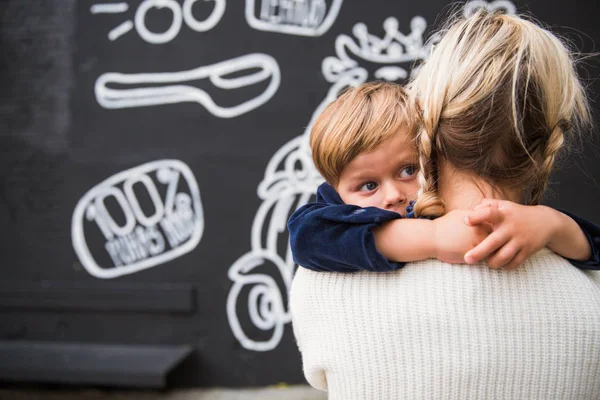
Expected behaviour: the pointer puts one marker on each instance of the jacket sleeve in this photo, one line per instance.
(592, 232)
(338, 237)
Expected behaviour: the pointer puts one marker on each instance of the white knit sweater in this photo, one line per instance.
(439, 331)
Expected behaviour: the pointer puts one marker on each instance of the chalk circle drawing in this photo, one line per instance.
(298, 17)
(151, 89)
(179, 14)
(291, 180)
(140, 241)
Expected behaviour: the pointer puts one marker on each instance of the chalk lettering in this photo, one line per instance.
(139, 242)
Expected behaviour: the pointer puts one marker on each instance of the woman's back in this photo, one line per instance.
(433, 330)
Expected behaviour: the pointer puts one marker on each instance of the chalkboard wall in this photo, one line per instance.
(151, 152)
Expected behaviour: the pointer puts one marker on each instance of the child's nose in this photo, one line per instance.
(394, 195)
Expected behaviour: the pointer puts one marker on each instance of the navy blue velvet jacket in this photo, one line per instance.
(328, 235)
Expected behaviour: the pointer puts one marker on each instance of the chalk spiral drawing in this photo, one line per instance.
(298, 17)
(291, 178)
(179, 14)
(141, 241)
(177, 87)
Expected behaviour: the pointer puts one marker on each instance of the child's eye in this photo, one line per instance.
(408, 171)
(367, 187)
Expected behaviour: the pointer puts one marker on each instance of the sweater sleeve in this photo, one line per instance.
(592, 232)
(329, 235)
(304, 299)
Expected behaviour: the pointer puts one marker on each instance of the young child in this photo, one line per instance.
(362, 144)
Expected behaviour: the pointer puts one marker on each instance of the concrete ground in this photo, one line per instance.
(269, 393)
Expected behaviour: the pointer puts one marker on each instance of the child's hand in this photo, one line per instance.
(453, 238)
(518, 231)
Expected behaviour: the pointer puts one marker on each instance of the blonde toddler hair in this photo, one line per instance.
(358, 121)
(498, 95)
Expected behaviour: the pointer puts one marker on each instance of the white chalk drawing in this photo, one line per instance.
(110, 8)
(179, 14)
(141, 241)
(291, 180)
(499, 5)
(151, 89)
(293, 17)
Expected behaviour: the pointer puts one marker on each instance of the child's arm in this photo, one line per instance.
(345, 238)
(443, 238)
(338, 238)
(592, 233)
(519, 231)
(329, 235)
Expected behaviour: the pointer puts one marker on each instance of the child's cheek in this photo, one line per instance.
(414, 189)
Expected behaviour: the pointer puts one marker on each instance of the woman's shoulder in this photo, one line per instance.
(545, 274)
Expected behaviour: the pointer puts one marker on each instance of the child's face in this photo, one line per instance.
(384, 177)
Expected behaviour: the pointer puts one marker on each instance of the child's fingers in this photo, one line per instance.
(488, 215)
(486, 248)
(487, 203)
(503, 256)
(517, 261)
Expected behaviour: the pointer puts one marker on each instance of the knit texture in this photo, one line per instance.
(439, 331)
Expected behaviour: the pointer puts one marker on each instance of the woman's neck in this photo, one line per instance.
(464, 190)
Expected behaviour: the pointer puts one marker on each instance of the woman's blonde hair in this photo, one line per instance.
(359, 120)
(497, 97)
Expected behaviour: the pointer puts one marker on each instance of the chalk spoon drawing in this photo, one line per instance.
(298, 17)
(140, 241)
(112, 90)
(179, 14)
(291, 180)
